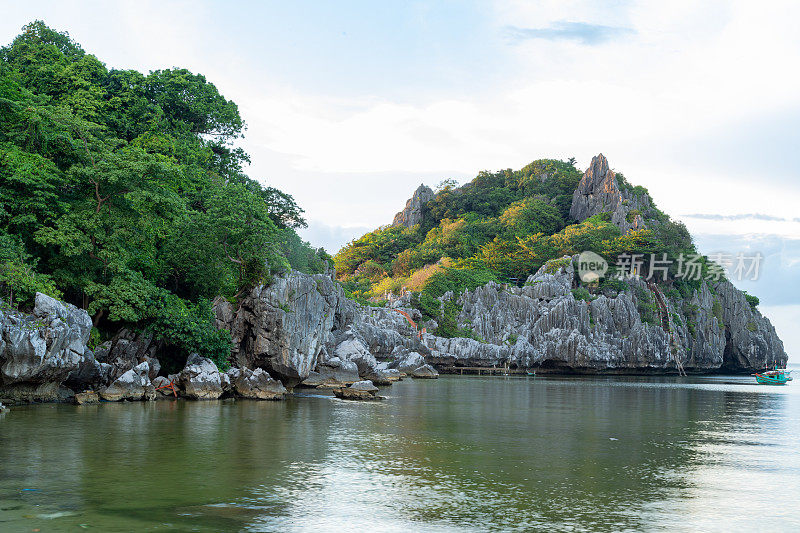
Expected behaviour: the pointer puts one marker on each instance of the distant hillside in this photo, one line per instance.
(503, 226)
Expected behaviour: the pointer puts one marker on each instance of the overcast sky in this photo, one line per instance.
(351, 105)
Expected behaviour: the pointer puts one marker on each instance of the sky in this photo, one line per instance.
(351, 105)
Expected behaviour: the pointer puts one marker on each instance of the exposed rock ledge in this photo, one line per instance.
(538, 325)
(302, 328)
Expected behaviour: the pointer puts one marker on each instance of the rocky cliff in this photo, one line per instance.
(539, 325)
(412, 213)
(302, 328)
(39, 351)
(542, 324)
(598, 192)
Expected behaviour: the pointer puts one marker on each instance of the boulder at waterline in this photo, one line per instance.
(258, 385)
(360, 390)
(282, 327)
(87, 397)
(129, 386)
(39, 351)
(92, 374)
(425, 372)
(410, 362)
(338, 371)
(150, 393)
(382, 377)
(161, 384)
(200, 379)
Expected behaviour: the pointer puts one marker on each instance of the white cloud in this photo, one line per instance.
(688, 70)
(654, 102)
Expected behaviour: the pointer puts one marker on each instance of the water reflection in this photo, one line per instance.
(460, 453)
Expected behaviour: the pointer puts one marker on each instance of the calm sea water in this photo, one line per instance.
(456, 454)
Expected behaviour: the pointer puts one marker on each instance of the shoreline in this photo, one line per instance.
(301, 391)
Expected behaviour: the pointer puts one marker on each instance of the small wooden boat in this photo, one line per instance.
(778, 376)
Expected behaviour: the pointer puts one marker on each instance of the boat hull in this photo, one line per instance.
(769, 380)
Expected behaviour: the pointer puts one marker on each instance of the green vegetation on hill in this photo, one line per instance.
(123, 193)
(502, 226)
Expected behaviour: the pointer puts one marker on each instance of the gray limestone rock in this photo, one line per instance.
(200, 379)
(161, 384)
(364, 385)
(751, 340)
(425, 372)
(598, 192)
(383, 377)
(44, 347)
(345, 372)
(360, 390)
(354, 351)
(411, 215)
(283, 327)
(410, 362)
(258, 385)
(129, 386)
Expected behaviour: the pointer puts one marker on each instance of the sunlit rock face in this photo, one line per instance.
(411, 215)
(598, 192)
(304, 323)
(542, 324)
(283, 327)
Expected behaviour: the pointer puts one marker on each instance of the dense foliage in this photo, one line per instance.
(123, 193)
(502, 226)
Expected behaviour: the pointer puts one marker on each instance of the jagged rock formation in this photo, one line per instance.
(302, 328)
(411, 215)
(542, 324)
(39, 351)
(258, 385)
(131, 385)
(750, 338)
(282, 327)
(303, 323)
(200, 379)
(126, 350)
(598, 192)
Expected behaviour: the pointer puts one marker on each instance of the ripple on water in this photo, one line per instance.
(460, 454)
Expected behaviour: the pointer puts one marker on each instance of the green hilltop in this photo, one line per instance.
(502, 226)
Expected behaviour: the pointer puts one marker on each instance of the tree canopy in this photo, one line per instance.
(125, 193)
